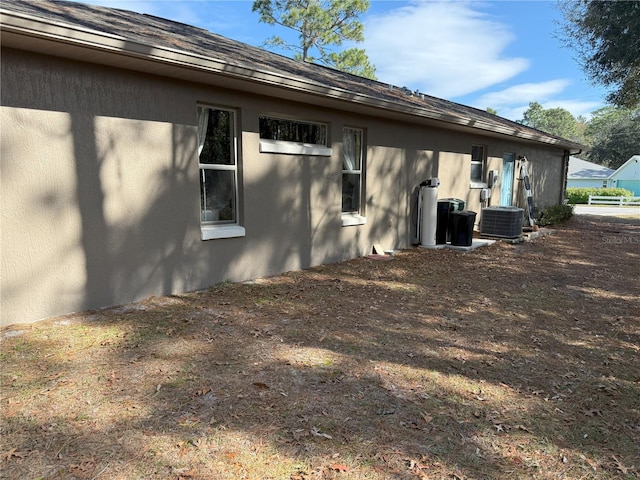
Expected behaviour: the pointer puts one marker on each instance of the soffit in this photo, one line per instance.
(162, 47)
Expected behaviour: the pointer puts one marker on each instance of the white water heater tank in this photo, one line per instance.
(429, 220)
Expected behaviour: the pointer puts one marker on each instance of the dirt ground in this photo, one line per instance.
(511, 361)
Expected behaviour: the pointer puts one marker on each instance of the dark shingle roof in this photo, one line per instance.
(154, 31)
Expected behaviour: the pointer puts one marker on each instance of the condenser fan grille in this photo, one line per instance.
(504, 222)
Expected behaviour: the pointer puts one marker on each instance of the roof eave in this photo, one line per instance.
(24, 31)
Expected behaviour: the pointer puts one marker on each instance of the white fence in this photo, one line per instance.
(620, 201)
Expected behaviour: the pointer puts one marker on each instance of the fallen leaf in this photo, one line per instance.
(12, 453)
(620, 466)
(426, 417)
(260, 385)
(338, 467)
(203, 391)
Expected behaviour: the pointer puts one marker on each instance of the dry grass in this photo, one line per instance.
(508, 362)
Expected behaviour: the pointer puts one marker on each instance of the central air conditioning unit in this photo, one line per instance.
(504, 222)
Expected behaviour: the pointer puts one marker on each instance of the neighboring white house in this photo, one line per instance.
(583, 174)
(627, 176)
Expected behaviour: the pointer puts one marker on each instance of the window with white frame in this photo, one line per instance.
(218, 163)
(477, 164)
(352, 173)
(279, 135)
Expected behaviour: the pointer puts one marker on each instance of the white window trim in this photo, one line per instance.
(352, 219)
(212, 232)
(209, 231)
(293, 148)
(356, 218)
(483, 162)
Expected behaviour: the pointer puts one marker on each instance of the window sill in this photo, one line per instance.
(351, 219)
(292, 148)
(212, 232)
(478, 185)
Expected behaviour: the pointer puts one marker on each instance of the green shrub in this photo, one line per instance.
(581, 195)
(554, 215)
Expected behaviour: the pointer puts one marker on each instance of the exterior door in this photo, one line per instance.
(506, 188)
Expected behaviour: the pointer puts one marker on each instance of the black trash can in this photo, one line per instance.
(462, 228)
(445, 207)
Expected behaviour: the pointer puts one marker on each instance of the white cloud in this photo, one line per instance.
(445, 49)
(513, 101)
(524, 92)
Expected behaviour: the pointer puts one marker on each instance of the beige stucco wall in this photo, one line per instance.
(99, 201)
(545, 172)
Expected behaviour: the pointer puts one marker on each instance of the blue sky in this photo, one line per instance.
(499, 54)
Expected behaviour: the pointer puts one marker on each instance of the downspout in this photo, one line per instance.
(565, 172)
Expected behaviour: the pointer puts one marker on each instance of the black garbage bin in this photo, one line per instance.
(461, 226)
(445, 207)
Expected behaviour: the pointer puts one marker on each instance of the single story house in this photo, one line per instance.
(583, 174)
(142, 156)
(627, 176)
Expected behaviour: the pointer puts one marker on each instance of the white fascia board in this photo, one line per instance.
(617, 171)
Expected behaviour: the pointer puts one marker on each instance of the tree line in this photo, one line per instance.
(611, 135)
(605, 35)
